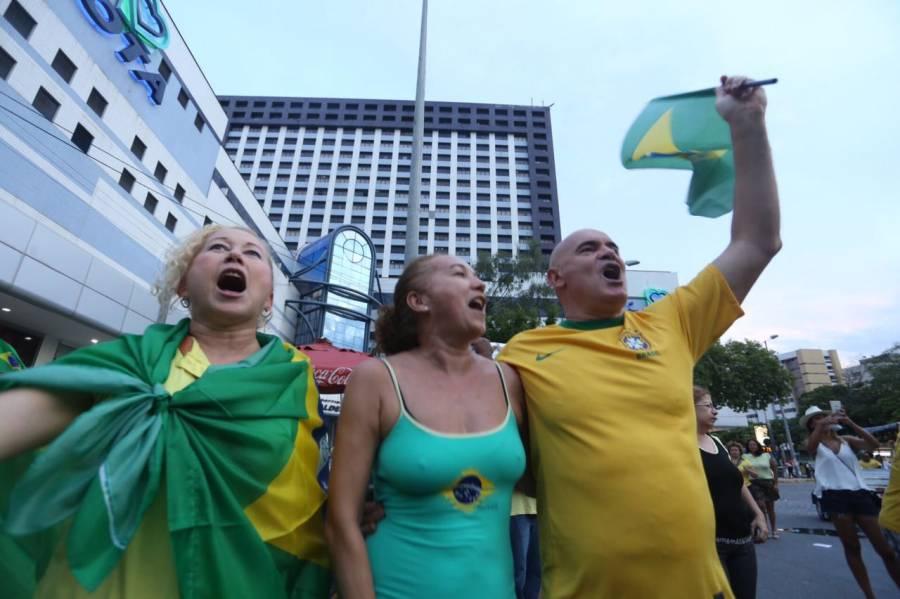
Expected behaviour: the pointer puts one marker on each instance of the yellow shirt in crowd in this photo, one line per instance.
(625, 507)
(890, 503)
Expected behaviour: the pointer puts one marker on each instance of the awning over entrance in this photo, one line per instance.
(332, 365)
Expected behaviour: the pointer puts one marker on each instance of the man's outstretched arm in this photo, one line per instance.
(755, 224)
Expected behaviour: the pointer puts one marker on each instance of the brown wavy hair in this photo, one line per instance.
(396, 329)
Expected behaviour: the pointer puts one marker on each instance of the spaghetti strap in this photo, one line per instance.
(394, 382)
(503, 383)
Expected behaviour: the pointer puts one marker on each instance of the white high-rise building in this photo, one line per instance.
(488, 174)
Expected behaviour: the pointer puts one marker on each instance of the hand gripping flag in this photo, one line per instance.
(684, 131)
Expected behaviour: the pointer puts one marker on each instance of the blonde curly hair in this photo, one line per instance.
(179, 259)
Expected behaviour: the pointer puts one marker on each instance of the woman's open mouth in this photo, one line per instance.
(478, 303)
(231, 282)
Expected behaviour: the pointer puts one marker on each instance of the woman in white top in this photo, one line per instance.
(843, 492)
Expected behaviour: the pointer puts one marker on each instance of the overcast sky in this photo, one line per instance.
(832, 120)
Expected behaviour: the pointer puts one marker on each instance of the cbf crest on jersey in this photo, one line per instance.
(634, 341)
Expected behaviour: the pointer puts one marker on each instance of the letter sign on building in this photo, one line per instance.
(143, 29)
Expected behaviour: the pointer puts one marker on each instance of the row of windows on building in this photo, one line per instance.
(368, 138)
(462, 201)
(463, 144)
(264, 168)
(367, 134)
(382, 106)
(297, 208)
(48, 106)
(500, 216)
(386, 112)
(460, 121)
(328, 152)
(441, 214)
(383, 163)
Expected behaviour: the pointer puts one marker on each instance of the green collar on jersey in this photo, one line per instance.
(591, 325)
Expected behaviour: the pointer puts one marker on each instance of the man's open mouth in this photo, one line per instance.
(232, 281)
(612, 272)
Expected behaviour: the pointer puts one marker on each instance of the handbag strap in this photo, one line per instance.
(838, 456)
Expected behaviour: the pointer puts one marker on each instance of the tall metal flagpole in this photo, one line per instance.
(412, 212)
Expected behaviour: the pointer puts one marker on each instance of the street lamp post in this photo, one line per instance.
(778, 402)
(412, 205)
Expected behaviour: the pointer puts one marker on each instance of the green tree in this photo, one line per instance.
(823, 395)
(742, 375)
(518, 295)
(884, 389)
(869, 404)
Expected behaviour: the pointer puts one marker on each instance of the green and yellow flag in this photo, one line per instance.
(9, 359)
(230, 460)
(685, 131)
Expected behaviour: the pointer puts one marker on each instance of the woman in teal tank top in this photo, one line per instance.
(437, 427)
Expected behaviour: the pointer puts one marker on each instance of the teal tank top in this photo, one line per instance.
(447, 502)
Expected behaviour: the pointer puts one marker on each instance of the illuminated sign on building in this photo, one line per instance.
(143, 30)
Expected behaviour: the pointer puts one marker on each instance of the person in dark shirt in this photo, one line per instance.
(739, 521)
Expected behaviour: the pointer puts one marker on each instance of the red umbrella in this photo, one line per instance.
(332, 365)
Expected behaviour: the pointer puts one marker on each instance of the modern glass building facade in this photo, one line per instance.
(314, 164)
(336, 280)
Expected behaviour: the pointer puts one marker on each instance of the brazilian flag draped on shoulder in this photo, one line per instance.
(233, 455)
(686, 132)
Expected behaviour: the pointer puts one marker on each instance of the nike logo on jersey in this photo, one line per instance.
(542, 357)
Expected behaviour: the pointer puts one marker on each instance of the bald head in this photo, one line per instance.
(570, 243)
(588, 276)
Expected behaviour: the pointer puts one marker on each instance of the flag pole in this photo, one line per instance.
(412, 212)
(759, 83)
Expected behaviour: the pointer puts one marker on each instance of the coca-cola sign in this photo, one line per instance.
(332, 377)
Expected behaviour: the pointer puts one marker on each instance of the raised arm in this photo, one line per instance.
(755, 224)
(818, 433)
(30, 418)
(863, 439)
(356, 441)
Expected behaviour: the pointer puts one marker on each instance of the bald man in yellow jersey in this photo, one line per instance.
(625, 508)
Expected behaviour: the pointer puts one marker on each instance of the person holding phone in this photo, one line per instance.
(845, 495)
(739, 521)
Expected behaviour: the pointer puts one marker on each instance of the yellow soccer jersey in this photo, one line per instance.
(625, 507)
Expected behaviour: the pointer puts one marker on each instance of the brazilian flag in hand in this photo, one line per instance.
(685, 131)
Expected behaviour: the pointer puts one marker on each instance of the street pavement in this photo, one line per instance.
(807, 562)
